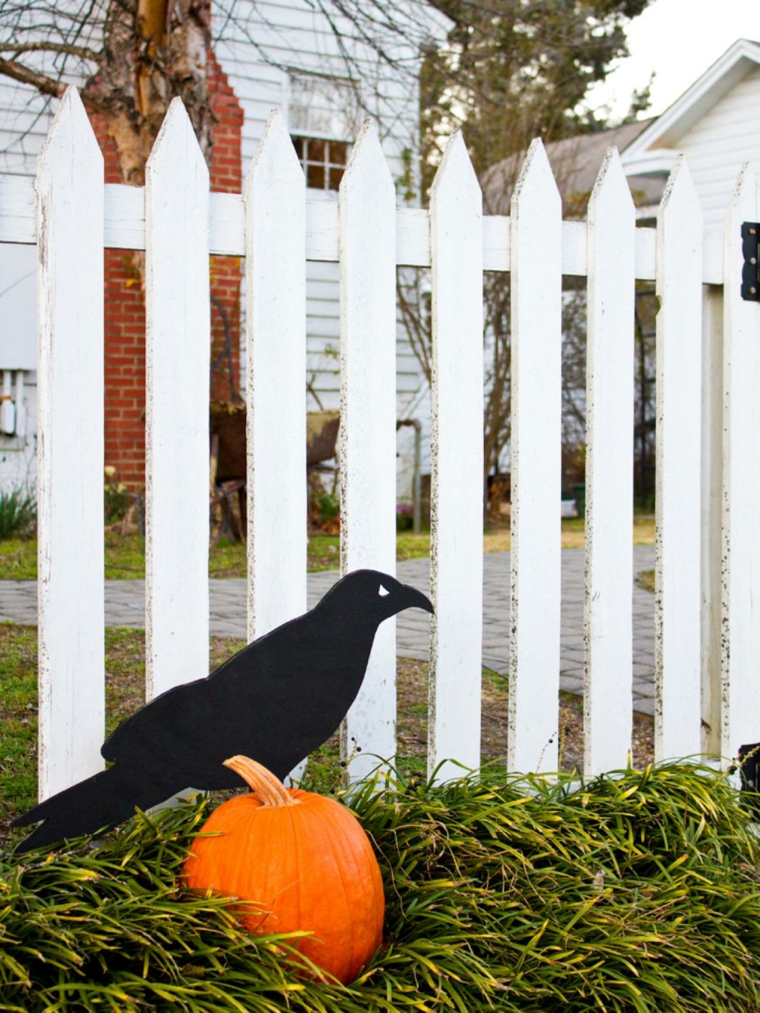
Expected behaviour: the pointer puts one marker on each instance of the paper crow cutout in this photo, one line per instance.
(276, 700)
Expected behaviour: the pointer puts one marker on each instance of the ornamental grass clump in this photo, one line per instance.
(637, 891)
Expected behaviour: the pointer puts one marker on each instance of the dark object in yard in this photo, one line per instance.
(227, 421)
(275, 701)
(749, 768)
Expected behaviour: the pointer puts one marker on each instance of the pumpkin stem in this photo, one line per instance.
(269, 788)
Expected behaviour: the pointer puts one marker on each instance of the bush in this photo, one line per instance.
(404, 517)
(633, 892)
(18, 514)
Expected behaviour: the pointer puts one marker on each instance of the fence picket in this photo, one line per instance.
(69, 188)
(678, 459)
(177, 398)
(276, 363)
(456, 563)
(741, 486)
(536, 466)
(608, 616)
(368, 424)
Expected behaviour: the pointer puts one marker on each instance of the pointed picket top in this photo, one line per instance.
(455, 174)
(611, 192)
(275, 155)
(71, 130)
(680, 195)
(176, 143)
(745, 193)
(536, 179)
(367, 169)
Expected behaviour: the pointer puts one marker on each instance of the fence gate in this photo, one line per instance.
(708, 433)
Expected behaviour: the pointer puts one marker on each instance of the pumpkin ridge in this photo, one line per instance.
(346, 900)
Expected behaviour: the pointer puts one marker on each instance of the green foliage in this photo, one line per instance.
(116, 497)
(637, 891)
(518, 69)
(18, 514)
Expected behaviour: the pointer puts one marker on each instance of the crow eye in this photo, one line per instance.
(383, 591)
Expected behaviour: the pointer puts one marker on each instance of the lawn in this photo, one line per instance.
(125, 556)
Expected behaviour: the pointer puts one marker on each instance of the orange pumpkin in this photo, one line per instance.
(306, 863)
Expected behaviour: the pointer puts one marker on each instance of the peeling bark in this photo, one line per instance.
(153, 50)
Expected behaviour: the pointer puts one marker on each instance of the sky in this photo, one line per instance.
(678, 39)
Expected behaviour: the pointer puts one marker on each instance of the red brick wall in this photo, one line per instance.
(125, 303)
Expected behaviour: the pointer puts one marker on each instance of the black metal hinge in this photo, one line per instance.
(751, 271)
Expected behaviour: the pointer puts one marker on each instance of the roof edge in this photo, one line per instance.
(708, 89)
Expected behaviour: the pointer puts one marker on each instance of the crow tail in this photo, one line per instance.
(98, 803)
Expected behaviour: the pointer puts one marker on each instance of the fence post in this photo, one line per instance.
(536, 466)
(678, 660)
(608, 624)
(275, 196)
(712, 505)
(741, 485)
(69, 187)
(456, 563)
(368, 425)
(177, 406)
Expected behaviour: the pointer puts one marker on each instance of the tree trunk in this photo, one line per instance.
(153, 51)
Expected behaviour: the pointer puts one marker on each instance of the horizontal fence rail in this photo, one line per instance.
(708, 392)
(125, 230)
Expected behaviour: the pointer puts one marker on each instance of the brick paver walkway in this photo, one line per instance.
(125, 606)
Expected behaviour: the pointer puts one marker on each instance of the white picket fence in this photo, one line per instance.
(708, 433)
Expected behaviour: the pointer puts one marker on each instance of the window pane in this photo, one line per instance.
(336, 175)
(316, 150)
(338, 152)
(315, 176)
(299, 144)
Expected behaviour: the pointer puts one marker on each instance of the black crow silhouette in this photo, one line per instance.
(276, 701)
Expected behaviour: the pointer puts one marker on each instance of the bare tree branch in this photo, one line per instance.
(50, 47)
(43, 83)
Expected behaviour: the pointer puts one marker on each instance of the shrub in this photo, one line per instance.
(18, 514)
(637, 891)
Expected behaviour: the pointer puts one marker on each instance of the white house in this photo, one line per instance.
(285, 55)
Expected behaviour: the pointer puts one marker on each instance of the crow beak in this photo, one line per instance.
(416, 599)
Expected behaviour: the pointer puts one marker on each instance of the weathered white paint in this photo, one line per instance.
(741, 486)
(678, 460)
(608, 627)
(177, 397)
(125, 229)
(71, 670)
(177, 278)
(368, 424)
(456, 563)
(536, 402)
(276, 363)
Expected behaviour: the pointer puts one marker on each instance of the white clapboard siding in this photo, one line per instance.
(741, 487)
(608, 626)
(678, 460)
(456, 564)
(177, 398)
(69, 187)
(276, 364)
(536, 466)
(367, 445)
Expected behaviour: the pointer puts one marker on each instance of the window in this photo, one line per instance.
(323, 161)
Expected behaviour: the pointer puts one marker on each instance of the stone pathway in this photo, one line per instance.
(125, 606)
